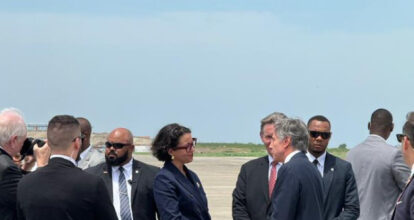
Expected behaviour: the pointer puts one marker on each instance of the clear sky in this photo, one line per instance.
(215, 66)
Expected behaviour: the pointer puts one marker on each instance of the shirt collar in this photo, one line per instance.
(291, 155)
(85, 152)
(270, 158)
(377, 136)
(412, 169)
(64, 157)
(127, 167)
(321, 159)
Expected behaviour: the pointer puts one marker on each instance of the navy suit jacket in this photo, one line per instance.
(404, 210)
(298, 193)
(178, 196)
(340, 190)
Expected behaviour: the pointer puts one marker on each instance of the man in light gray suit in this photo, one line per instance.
(89, 156)
(379, 168)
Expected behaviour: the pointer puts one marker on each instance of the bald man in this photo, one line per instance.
(89, 156)
(128, 181)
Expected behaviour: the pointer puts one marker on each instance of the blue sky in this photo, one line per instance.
(217, 67)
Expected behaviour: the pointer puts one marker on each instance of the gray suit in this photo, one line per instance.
(381, 174)
(94, 157)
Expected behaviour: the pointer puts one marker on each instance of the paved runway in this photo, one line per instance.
(218, 175)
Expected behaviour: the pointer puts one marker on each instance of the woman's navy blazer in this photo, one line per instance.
(178, 196)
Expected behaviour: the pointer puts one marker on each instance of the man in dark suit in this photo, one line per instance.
(298, 193)
(138, 178)
(251, 197)
(61, 190)
(12, 135)
(340, 189)
(404, 209)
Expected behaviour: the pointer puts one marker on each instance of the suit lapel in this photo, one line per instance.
(107, 178)
(136, 173)
(328, 173)
(263, 172)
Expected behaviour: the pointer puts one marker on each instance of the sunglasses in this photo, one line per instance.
(115, 145)
(189, 147)
(400, 137)
(316, 134)
(81, 137)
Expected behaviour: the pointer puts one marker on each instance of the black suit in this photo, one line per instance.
(10, 176)
(298, 193)
(143, 204)
(404, 208)
(251, 195)
(62, 191)
(340, 190)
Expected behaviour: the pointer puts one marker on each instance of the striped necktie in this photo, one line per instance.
(123, 196)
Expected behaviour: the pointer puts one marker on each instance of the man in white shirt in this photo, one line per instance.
(89, 156)
(340, 190)
(128, 181)
(298, 193)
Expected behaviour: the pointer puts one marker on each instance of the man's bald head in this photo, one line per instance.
(123, 134)
(86, 130)
(381, 123)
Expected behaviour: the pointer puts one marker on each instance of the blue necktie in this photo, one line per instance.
(123, 196)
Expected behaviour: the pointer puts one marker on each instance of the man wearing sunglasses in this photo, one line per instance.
(340, 190)
(379, 168)
(404, 208)
(128, 181)
(89, 156)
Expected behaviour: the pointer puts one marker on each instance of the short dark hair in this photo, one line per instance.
(319, 118)
(85, 124)
(408, 129)
(381, 120)
(61, 131)
(166, 139)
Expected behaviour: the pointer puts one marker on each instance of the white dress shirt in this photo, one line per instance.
(291, 155)
(115, 186)
(321, 161)
(278, 165)
(85, 152)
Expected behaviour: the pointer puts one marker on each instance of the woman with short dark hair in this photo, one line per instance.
(178, 191)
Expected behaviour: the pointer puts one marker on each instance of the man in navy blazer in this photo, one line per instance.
(404, 209)
(298, 193)
(340, 189)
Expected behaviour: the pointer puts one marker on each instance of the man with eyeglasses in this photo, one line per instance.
(89, 156)
(379, 169)
(340, 190)
(257, 178)
(404, 208)
(61, 190)
(129, 181)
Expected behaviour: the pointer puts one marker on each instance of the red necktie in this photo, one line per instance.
(272, 179)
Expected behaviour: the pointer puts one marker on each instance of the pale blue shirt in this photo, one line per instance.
(321, 161)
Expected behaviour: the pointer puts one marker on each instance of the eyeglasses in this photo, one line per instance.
(189, 147)
(115, 145)
(400, 137)
(316, 134)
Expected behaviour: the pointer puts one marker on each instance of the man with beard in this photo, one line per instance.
(340, 191)
(128, 181)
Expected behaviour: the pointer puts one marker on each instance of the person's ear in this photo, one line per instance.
(369, 125)
(286, 142)
(392, 127)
